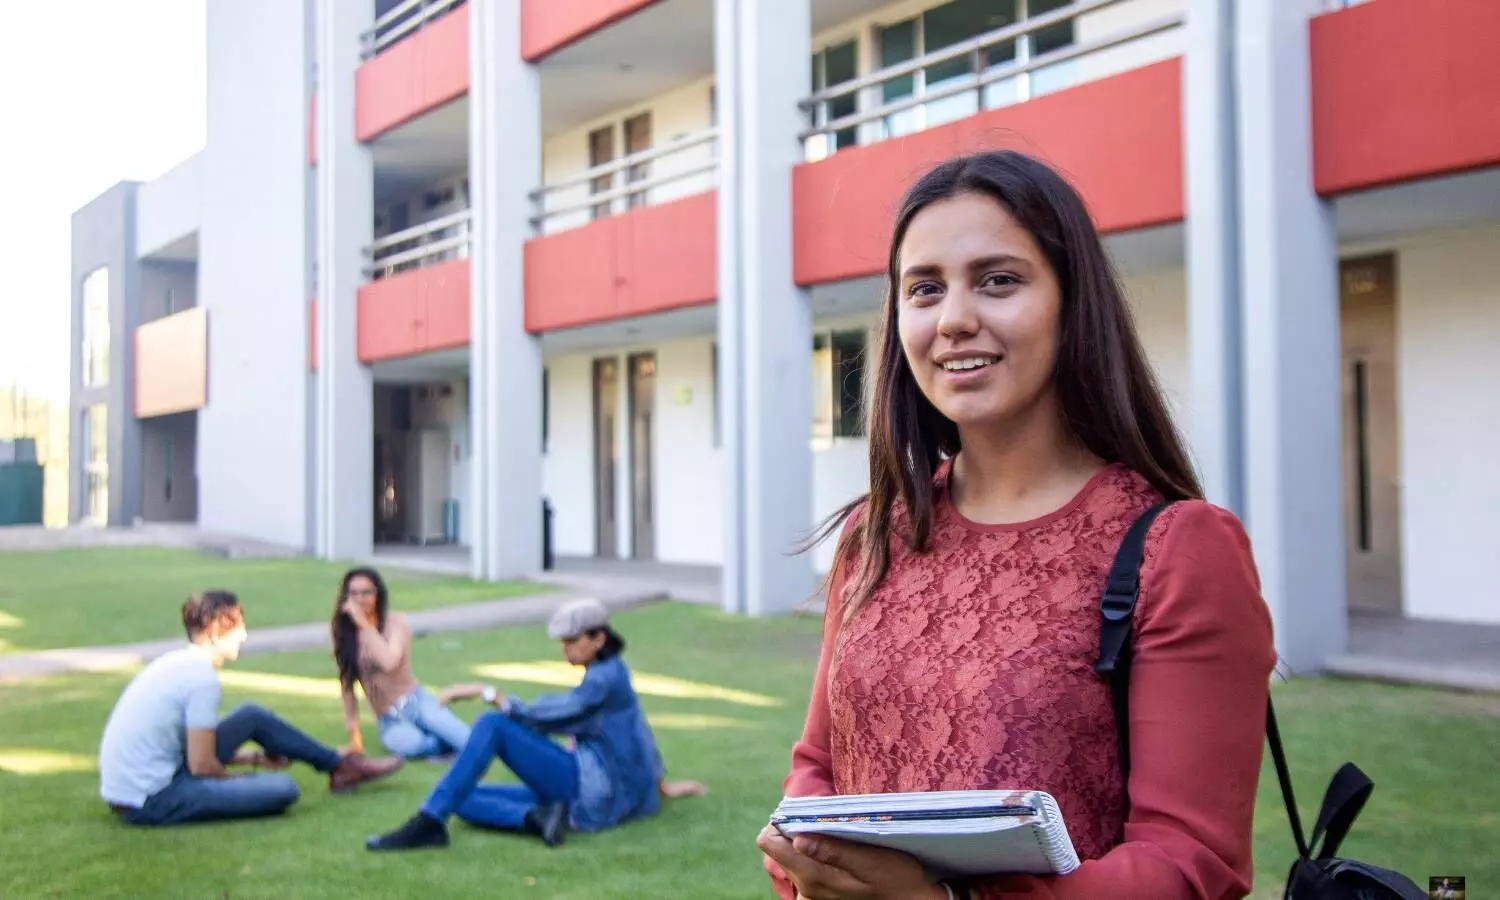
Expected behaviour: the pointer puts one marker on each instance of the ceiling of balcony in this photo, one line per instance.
(425, 150)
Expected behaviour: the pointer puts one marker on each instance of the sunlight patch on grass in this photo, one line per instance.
(562, 674)
(9, 621)
(31, 761)
(286, 685)
(689, 722)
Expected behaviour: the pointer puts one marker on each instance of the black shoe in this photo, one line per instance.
(417, 833)
(548, 822)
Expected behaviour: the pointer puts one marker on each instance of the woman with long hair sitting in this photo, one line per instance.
(610, 773)
(1016, 433)
(372, 647)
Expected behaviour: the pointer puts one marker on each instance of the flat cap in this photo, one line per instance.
(575, 617)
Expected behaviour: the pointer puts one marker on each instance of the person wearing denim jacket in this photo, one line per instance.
(611, 773)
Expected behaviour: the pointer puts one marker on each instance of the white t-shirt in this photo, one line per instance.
(145, 739)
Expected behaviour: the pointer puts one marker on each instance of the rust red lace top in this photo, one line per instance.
(971, 667)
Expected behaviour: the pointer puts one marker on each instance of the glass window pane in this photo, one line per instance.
(849, 383)
(1053, 37)
(841, 64)
(822, 386)
(898, 43)
(960, 20)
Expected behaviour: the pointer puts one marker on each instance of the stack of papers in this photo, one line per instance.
(952, 832)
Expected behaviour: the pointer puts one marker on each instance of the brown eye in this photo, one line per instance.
(999, 279)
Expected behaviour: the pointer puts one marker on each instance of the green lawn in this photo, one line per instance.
(72, 598)
(726, 698)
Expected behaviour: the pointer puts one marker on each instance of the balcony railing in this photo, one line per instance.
(421, 245)
(976, 90)
(677, 169)
(403, 19)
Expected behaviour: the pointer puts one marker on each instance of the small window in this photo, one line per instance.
(96, 328)
(838, 385)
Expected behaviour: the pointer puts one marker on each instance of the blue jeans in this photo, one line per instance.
(420, 726)
(189, 798)
(548, 773)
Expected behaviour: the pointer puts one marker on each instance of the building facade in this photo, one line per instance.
(439, 261)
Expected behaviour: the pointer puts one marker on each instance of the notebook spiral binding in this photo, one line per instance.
(1058, 846)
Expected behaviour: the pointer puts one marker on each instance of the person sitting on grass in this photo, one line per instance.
(164, 755)
(613, 772)
(372, 647)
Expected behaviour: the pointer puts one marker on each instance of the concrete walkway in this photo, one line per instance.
(528, 610)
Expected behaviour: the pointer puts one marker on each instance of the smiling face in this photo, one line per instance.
(977, 310)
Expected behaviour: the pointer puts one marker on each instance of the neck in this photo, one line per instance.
(205, 646)
(1020, 469)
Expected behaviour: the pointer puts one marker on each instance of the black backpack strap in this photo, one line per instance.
(1350, 788)
(1116, 608)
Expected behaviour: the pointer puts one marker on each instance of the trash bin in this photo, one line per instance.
(546, 535)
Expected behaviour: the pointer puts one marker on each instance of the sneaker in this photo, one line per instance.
(356, 769)
(417, 833)
(548, 822)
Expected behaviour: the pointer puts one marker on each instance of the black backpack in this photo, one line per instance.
(1316, 874)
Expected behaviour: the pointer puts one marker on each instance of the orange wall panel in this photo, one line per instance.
(418, 73)
(445, 306)
(1118, 140)
(171, 364)
(550, 25)
(1404, 89)
(650, 259)
(388, 316)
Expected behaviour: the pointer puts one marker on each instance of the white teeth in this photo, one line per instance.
(973, 362)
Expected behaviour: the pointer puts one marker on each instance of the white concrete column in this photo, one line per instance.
(1212, 235)
(763, 50)
(505, 165)
(1289, 280)
(345, 463)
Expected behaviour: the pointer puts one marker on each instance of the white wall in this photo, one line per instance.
(254, 274)
(1448, 376)
(677, 114)
(568, 464)
(1158, 300)
(169, 208)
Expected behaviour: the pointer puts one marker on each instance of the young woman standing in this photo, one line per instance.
(1016, 432)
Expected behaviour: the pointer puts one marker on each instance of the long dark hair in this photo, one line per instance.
(1107, 392)
(346, 633)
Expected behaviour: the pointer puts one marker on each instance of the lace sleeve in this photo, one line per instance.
(1198, 693)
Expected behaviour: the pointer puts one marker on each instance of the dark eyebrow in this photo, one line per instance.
(998, 260)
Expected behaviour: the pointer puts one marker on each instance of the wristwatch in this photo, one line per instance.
(488, 694)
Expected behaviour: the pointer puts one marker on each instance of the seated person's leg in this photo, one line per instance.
(408, 740)
(441, 722)
(500, 806)
(547, 769)
(251, 722)
(190, 799)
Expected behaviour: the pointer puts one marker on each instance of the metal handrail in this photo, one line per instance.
(413, 247)
(954, 51)
(617, 191)
(978, 80)
(381, 34)
(625, 162)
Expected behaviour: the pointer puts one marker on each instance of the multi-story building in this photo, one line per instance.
(441, 260)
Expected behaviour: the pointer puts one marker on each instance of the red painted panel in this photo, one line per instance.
(417, 74)
(669, 255)
(650, 259)
(571, 277)
(445, 313)
(1118, 140)
(1404, 89)
(389, 315)
(550, 25)
(445, 58)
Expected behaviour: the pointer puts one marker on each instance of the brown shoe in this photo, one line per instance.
(356, 769)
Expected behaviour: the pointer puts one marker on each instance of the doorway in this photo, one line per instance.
(606, 456)
(1372, 492)
(642, 454)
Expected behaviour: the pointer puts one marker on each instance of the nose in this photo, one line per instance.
(958, 315)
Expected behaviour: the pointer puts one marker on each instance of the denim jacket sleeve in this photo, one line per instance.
(568, 713)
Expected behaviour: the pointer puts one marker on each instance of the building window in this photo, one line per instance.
(838, 385)
(831, 67)
(955, 22)
(95, 443)
(96, 328)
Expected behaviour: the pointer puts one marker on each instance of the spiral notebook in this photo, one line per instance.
(952, 832)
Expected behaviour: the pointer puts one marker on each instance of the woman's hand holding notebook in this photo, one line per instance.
(952, 832)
